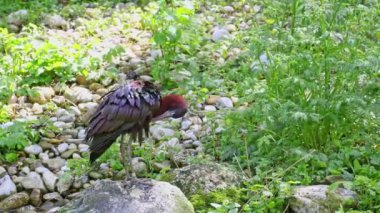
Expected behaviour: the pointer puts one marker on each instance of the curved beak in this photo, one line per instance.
(164, 115)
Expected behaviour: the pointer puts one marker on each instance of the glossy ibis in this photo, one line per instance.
(128, 110)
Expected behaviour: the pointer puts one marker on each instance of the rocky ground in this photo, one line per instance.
(38, 181)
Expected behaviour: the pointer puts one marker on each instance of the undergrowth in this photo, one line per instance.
(313, 87)
(305, 73)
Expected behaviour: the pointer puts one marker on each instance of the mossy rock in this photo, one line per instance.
(205, 178)
(135, 196)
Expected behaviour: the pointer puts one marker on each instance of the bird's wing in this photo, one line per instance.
(119, 112)
(127, 104)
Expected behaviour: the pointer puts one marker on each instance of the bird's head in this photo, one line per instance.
(173, 106)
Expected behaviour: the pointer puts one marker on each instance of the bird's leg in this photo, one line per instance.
(129, 152)
(140, 137)
(122, 149)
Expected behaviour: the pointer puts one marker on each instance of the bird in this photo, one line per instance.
(129, 109)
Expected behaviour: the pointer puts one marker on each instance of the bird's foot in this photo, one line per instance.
(128, 180)
(133, 180)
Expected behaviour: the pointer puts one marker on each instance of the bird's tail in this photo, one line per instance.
(100, 143)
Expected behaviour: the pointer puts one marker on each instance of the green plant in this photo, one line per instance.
(369, 192)
(36, 9)
(4, 113)
(229, 198)
(27, 62)
(312, 92)
(17, 136)
(176, 34)
(112, 156)
(78, 167)
(14, 138)
(226, 207)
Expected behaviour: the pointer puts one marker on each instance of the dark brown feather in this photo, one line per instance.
(127, 109)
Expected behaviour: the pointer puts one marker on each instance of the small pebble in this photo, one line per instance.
(210, 108)
(33, 149)
(228, 9)
(62, 147)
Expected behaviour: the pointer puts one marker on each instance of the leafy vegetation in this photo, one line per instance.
(24, 63)
(314, 109)
(15, 137)
(176, 35)
(305, 73)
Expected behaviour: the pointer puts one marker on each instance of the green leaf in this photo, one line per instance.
(357, 166)
(216, 205)
(11, 157)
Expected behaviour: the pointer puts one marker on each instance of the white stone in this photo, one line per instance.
(159, 132)
(210, 108)
(43, 156)
(220, 34)
(25, 170)
(224, 102)
(82, 134)
(72, 146)
(197, 143)
(37, 109)
(76, 156)
(58, 99)
(318, 198)
(189, 135)
(83, 147)
(62, 147)
(78, 94)
(185, 125)
(33, 181)
(7, 187)
(50, 180)
(228, 9)
(170, 143)
(33, 149)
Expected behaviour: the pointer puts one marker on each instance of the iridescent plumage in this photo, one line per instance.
(128, 109)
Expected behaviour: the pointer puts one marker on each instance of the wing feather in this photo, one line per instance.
(121, 111)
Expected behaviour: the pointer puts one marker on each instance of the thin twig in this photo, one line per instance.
(286, 208)
(237, 160)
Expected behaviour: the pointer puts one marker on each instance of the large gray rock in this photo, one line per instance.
(14, 201)
(319, 199)
(205, 178)
(56, 22)
(136, 196)
(18, 18)
(7, 187)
